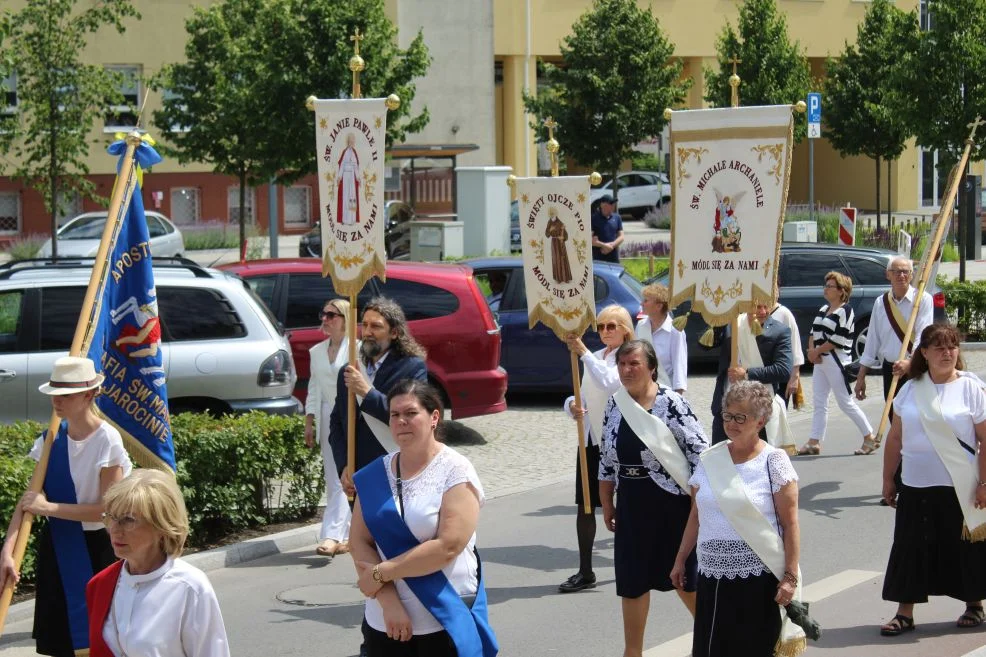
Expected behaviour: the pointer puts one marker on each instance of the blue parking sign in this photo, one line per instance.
(814, 107)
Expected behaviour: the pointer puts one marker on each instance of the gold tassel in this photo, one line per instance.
(792, 450)
(708, 338)
(679, 322)
(792, 647)
(799, 396)
(977, 535)
(756, 328)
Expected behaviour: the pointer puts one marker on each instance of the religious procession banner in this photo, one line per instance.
(731, 169)
(557, 252)
(350, 142)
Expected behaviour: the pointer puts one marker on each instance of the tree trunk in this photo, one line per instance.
(53, 187)
(242, 210)
(615, 185)
(877, 193)
(890, 206)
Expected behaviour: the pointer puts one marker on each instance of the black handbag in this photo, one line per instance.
(849, 372)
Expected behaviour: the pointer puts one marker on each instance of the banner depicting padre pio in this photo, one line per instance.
(349, 142)
(557, 249)
(731, 169)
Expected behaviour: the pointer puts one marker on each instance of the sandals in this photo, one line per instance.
(973, 616)
(898, 625)
(810, 450)
(327, 548)
(869, 446)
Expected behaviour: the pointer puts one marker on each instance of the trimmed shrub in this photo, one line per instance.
(965, 305)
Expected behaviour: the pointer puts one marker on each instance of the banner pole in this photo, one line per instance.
(927, 265)
(351, 396)
(123, 189)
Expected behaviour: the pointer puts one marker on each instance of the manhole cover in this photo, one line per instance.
(322, 595)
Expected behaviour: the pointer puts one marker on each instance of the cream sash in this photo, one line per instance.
(754, 528)
(595, 402)
(380, 430)
(656, 436)
(962, 471)
(778, 430)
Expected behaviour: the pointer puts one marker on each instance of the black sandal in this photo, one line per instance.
(972, 617)
(898, 625)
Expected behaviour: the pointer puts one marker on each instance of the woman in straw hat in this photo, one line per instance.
(87, 457)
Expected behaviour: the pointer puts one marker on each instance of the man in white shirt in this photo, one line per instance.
(669, 343)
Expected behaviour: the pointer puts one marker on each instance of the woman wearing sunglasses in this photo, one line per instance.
(87, 457)
(327, 358)
(599, 381)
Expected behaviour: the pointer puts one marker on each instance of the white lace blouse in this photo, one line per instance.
(422, 496)
(721, 551)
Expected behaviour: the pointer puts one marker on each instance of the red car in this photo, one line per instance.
(446, 311)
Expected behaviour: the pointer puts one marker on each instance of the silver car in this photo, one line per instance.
(222, 350)
(79, 237)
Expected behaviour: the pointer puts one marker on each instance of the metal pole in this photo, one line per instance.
(811, 179)
(272, 219)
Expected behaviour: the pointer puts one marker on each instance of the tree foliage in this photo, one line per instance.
(772, 70)
(616, 79)
(238, 101)
(860, 115)
(58, 95)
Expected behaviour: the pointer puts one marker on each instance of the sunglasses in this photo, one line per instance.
(328, 314)
(611, 326)
(738, 418)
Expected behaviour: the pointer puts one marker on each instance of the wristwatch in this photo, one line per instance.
(376, 575)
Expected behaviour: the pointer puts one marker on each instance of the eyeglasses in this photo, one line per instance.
(611, 326)
(328, 314)
(124, 523)
(901, 272)
(738, 418)
(831, 286)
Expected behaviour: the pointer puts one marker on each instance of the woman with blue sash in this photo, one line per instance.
(87, 457)
(413, 540)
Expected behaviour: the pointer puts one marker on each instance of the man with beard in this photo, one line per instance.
(388, 354)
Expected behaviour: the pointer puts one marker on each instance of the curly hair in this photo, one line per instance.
(935, 335)
(403, 344)
(758, 397)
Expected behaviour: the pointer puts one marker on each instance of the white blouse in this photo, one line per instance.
(963, 403)
(671, 348)
(170, 612)
(721, 551)
(323, 380)
(423, 495)
(602, 368)
(103, 448)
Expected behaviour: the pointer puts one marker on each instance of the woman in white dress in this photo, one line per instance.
(327, 358)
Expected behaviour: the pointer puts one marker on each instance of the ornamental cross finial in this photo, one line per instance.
(550, 124)
(552, 145)
(734, 62)
(975, 126)
(356, 38)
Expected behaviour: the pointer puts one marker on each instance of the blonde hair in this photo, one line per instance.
(622, 317)
(155, 498)
(342, 306)
(843, 282)
(658, 293)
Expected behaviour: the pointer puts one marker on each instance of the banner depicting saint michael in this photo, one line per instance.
(557, 249)
(350, 144)
(729, 191)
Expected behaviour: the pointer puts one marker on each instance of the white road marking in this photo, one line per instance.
(823, 588)
(978, 652)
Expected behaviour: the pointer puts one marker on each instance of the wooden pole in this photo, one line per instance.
(583, 464)
(351, 397)
(123, 190)
(928, 265)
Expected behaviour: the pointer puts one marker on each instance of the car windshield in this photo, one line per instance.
(632, 283)
(83, 228)
(263, 306)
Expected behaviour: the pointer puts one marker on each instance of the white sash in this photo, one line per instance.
(380, 430)
(656, 436)
(645, 332)
(778, 430)
(754, 528)
(595, 402)
(964, 474)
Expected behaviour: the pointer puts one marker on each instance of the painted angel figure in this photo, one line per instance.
(347, 197)
(727, 228)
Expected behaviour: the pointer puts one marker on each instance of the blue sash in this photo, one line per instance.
(69, 541)
(469, 628)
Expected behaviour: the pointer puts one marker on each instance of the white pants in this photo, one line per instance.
(335, 521)
(827, 378)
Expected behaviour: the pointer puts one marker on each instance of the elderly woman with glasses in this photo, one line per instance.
(151, 603)
(328, 357)
(744, 494)
(599, 381)
(829, 349)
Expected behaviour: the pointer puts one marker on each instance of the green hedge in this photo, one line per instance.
(236, 472)
(965, 304)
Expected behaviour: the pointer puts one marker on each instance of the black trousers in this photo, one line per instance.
(436, 644)
(888, 376)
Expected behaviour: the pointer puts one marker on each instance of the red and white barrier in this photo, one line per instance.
(847, 226)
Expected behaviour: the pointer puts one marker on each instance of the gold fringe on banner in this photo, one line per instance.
(756, 328)
(376, 267)
(977, 535)
(138, 452)
(792, 647)
(546, 317)
(680, 322)
(708, 338)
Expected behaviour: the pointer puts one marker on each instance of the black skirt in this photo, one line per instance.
(736, 617)
(51, 632)
(928, 556)
(592, 463)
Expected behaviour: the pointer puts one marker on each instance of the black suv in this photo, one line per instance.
(801, 277)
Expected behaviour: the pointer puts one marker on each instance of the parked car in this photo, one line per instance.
(397, 236)
(79, 237)
(638, 192)
(515, 226)
(800, 278)
(445, 309)
(534, 358)
(222, 349)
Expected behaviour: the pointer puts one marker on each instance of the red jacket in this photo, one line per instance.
(99, 598)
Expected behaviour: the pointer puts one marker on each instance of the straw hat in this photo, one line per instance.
(72, 375)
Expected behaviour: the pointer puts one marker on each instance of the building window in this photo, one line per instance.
(69, 206)
(926, 20)
(233, 203)
(298, 205)
(185, 206)
(8, 102)
(170, 95)
(932, 180)
(10, 213)
(124, 116)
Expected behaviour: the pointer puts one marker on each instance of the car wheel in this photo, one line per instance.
(859, 344)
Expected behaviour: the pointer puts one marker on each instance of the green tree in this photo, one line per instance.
(58, 95)
(239, 98)
(772, 70)
(616, 78)
(860, 116)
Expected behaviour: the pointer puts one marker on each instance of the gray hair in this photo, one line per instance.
(900, 258)
(757, 396)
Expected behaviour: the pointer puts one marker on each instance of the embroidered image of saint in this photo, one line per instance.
(347, 196)
(561, 269)
(726, 226)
